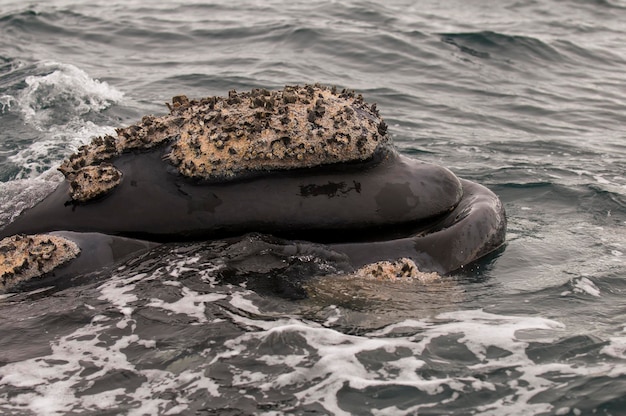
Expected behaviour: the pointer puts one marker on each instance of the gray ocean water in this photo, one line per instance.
(526, 97)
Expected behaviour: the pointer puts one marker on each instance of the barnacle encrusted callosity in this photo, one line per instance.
(90, 182)
(23, 257)
(402, 269)
(274, 130)
(218, 138)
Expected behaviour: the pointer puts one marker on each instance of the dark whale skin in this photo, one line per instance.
(154, 202)
(386, 209)
(475, 228)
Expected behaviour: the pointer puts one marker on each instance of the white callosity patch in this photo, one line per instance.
(403, 269)
(93, 181)
(391, 289)
(274, 130)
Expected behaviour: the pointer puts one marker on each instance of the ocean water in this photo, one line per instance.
(525, 97)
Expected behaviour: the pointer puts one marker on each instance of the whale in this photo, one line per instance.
(153, 204)
(304, 163)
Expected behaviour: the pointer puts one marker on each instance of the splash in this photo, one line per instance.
(58, 104)
(21, 194)
(63, 94)
(6, 101)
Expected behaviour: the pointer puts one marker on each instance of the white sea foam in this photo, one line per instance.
(43, 155)
(176, 269)
(6, 101)
(58, 104)
(616, 348)
(567, 411)
(119, 292)
(333, 315)
(49, 382)
(18, 195)
(316, 362)
(338, 363)
(65, 90)
(205, 270)
(241, 302)
(191, 304)
(584, 285)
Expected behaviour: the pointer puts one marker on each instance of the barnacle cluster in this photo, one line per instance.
(403, 269)
(384, 282)
(92, 181)
(24, 257)
(218, 138)
(273, 130)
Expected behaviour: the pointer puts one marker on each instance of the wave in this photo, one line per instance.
(61, 105)
(62, 93)
(43, 20)
(167, 336)
(498, 46)
(21, 194)
(600, 5)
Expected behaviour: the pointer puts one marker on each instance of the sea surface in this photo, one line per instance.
(526, 97)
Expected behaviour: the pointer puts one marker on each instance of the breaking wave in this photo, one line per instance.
(62, 105)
